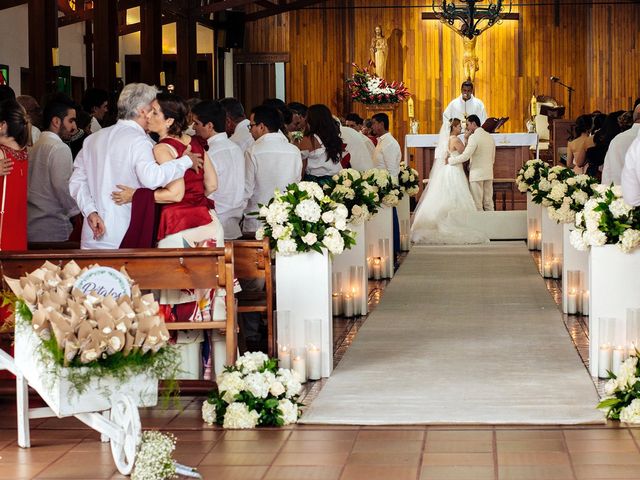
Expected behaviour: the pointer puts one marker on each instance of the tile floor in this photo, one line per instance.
(66, 449)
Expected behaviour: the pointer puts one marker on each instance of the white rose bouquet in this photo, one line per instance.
(254, 392)
(607, 220)
(302, 219)
(569, 192)
(529, 175)
(408, 180)
(384, 185)
(622, 400)
(354, 192)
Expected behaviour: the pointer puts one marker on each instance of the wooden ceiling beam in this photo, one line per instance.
(282, 8)
(221, 5)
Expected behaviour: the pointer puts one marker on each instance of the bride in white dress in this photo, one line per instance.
(448, 191)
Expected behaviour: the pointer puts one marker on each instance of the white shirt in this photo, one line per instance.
(228, 160)
(614, 159)
(50, 206)
(388, 155)
(356, 146)
(118, 155)
(242, 136)
(460, 109)
(95, 125)
(630, 177)
(35, 135)
(318, 164)
(272, 163)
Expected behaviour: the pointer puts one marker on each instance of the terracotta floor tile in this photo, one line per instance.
(430, 472)
(328, 435)
(609, 472)
(69, 469)
(597, 434)
(533, 458)
(232, 472)
(308, 459)
(535, 472)
(101, 457)
(483, 459)
(605, 458)
(479, 446)
(194, 447)
(223, 446)
(20, 471)
(384, 458)
(319, 446)
(515, 435)
(326, 472)
(619, 446)
(189, 459)
(459, 435)
(531, 446)
(256, 435)
(387, 446)
(391, 435)
(197, 435)
(238, 458)
(367, 472)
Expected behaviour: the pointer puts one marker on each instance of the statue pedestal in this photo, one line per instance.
(388, 108)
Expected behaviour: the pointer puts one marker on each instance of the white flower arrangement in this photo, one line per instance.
(351, 189)
(408, 180)
(569, 192)
(154, 457)
(302, 219)
(622, 401)
(529, 175)
(607, 219)
(384, 185)
(254, 392)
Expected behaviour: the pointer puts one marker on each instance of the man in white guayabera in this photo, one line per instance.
(120, 155)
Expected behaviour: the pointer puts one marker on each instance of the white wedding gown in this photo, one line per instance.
(439, 216)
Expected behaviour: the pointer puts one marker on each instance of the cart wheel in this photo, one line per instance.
(124, 414)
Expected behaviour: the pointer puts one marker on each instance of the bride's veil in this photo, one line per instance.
(440, 154)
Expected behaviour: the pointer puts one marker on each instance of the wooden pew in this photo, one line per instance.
(252, 261)
(154, 268)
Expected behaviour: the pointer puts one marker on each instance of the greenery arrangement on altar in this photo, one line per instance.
(369, 89)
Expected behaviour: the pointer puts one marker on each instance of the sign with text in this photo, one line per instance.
(104, 281)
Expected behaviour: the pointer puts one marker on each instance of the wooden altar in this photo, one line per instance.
(512, 151)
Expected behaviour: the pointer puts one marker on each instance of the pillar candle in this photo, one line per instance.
(377, 268)
(617, 358)
(314, 362)
(546, 271)
(196, 85)
(284, 357)
(585, 303)
(572, 302)
(300, 366)
(348, 305)
(555, 268)
(118, 70)
(357, 302)
(163, 80)
(336, 304)
(605, 357)
(55, 57)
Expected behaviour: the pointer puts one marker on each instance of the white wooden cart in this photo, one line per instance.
(107, 405)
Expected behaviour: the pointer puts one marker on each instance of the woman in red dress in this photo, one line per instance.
(14, 136)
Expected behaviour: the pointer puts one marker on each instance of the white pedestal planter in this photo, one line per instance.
(534, 212)
(551, 235)
(379, 232)
(303, 288)
(404, 218)
(573, 260)
(356, 256)
(613, 286)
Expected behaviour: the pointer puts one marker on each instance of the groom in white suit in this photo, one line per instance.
(481, 153)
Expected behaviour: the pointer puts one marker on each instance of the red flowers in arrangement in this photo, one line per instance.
(366, 87)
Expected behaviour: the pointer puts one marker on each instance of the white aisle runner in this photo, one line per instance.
(462, 335)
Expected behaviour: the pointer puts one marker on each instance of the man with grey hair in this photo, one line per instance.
(120, 155)
(614, 160)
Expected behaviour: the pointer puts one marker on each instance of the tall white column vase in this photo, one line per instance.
(613, 287)
(551, 234)
(573, 260)
(378, 229)
(303, 287)
(404, 218)
(356, 256)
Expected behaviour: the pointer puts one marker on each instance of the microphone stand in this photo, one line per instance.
(570, 90)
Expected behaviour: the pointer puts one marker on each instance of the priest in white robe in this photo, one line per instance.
(464, 106)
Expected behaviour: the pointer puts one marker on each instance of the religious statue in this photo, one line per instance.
(379, 52)
(469, 58)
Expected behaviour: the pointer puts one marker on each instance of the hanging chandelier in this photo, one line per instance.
(467, 18)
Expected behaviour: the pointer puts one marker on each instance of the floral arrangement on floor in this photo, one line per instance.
(607, 220)
(529, 177)
(354, 192)
(154, 459)
(384, 184)
(622, 400)
(408, 180)
(121, 337)
(367, 88)
(254, 392)
(302, 219)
